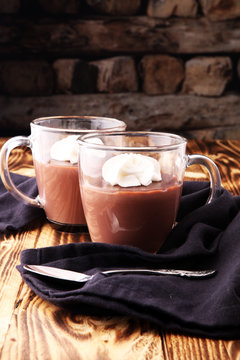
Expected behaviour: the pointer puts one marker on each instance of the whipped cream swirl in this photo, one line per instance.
(65, 149)
(131, 169)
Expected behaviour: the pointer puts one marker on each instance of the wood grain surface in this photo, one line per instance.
(136, 34)
(203, 117)
(31, 328)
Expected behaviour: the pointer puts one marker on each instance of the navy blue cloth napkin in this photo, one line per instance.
(15, 214)
(206, 237)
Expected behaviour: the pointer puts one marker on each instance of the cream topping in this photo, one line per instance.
(65, 149)
(131, 169)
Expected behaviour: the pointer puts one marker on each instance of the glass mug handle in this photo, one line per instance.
(6, 175)
(215, 178)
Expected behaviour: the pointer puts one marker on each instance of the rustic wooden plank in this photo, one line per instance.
(193, 116)
(233, 348)
(118, 35)
(188, 348)
(51, 333)
(9, 284)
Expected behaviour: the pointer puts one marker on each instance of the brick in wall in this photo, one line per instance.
(161, 74)
(26, 78)
(167, 8)
(117, 74)
(217, 10)
(207, 76)
(75, 76)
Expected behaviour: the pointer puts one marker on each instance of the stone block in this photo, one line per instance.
(217, 10)
(24, 78)
(117, 74)
(161, 74)
(115, 7)
(75, 76)
(167, 8)
(207, 76)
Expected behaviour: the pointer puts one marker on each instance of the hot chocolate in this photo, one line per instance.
(59, 191)
(138, 216)
(132, 195)
(54, 146)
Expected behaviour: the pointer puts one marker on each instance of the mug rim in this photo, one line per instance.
(38, 123)
(180, 140)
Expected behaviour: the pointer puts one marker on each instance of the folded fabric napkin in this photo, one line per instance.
(15, 214)
(206, 237)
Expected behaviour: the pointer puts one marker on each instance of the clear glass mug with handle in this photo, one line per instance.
(55, 157)
(131, 184)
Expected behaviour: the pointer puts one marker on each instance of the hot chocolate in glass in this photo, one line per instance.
(131, 184)
(53, 142)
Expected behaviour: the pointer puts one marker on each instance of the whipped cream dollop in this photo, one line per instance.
(131, 169)
(65, 149)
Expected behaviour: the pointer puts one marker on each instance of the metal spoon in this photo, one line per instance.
(80, 277)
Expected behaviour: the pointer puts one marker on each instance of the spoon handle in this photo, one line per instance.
(184, 273)
(64, 274)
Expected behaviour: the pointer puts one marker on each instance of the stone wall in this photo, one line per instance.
(165, 65)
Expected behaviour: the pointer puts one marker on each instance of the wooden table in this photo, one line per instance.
(31, 328)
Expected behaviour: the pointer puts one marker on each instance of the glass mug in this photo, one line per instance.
(131, 184)
(55, 156)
